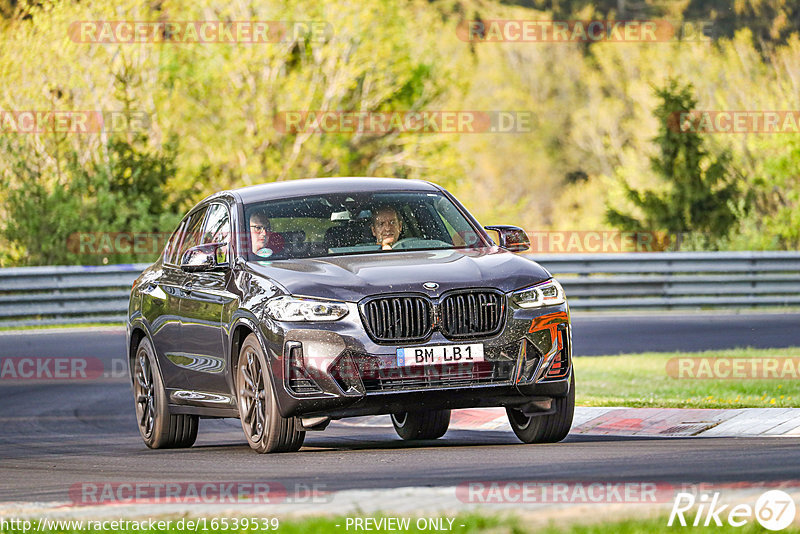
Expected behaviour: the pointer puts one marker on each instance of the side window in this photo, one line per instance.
(191, 233)
(218, 230)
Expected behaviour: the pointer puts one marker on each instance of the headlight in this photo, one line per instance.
(547, 293)
(300, 309)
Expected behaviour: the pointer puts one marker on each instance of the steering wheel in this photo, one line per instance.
(397, 244)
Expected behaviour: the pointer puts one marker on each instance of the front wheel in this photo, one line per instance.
(431, 424)
(545, 428)
(159, 428)
(265, 429)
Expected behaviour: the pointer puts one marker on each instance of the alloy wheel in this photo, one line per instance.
(252, 395)
(145, 401)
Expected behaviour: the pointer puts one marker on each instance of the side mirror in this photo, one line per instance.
(511, 238)
(204, 258)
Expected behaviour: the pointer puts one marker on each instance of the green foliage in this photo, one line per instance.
(372, 61)
(74, 217)
(700, 195)
(771, 21)
(593, 119)
(38, 217)
(778, 197)
(221, 101)
(774, 219)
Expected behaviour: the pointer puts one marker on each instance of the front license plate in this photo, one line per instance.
(439, 354)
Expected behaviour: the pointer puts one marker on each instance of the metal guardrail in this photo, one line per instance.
(670, 280)
(66, 295)
(652, 280)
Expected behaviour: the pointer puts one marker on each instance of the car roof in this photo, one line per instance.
(293, 188)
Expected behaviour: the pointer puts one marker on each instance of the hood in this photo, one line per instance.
(354, 277)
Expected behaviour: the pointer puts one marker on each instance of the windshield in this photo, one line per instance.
(355, 223)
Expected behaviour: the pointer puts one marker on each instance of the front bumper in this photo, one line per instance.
(336, 370)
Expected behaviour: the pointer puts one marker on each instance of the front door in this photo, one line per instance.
(203, 307)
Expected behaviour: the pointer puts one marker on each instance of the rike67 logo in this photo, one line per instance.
(773, 510)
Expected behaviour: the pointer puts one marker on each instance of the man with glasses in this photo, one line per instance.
(260, 233)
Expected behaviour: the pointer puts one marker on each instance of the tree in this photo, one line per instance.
(699, 193)
(74, 216)
(773, 221)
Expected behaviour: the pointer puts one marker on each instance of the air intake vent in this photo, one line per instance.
(298, 379)
(560, 366)
(402, 318)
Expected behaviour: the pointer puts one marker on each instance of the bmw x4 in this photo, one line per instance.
(292, 304)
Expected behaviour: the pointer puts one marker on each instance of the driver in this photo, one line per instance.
(386, 226)
(259, 230)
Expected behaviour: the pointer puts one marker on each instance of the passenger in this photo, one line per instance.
(386, 226)
(259, 230)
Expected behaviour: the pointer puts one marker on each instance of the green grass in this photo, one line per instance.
(641, 380)
(472, 523)
(647, 526)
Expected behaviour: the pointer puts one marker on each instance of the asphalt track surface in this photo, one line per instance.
(55, 435)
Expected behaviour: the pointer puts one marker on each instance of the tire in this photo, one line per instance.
(266, 431)
(431, 424)
(159, 428)
(545, 428)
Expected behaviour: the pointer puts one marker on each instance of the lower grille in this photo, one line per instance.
(303, 385)
(376, 377)
(450, 376)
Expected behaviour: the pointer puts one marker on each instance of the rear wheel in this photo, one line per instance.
(265, 429)
(430, 424)
(545, 428)
(159, 428)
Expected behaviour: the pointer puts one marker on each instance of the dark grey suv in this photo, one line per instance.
(291, 304)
